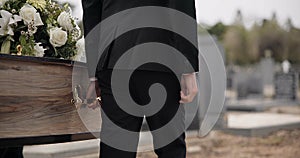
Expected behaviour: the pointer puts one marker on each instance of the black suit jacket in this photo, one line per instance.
(96, 11)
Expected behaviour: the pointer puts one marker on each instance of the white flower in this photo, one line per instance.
(2, 2)
(76, 33)
(39, 50)
(30, 15)
(7, 20)
(65, 21)
(80, 51)
(58, 37)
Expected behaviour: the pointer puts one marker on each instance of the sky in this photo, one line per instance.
(213, 11)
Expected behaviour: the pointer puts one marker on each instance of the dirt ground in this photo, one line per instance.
(282, 144)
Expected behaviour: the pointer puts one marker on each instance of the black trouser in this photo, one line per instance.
(139, 86)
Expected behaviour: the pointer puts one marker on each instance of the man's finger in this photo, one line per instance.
(184, 98)
(187, 98)
(95, 104)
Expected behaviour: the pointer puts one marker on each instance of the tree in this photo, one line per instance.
(293, 45)
(235, 42)
(218, 30)
(245, 46)
(272, 37)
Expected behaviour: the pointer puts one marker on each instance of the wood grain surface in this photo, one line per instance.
(35, 99)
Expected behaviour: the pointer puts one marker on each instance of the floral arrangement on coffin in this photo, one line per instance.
(40, 28)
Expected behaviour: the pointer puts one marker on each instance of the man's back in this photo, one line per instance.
(114, 6)
(135, 37)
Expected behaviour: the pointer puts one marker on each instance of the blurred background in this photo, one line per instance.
(260, 44)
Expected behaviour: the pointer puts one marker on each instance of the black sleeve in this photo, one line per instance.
(92, 13)
(193, 55)
(194, 60)
(190, 52)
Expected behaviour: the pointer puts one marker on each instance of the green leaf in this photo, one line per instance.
(5, 48)
(23, 40)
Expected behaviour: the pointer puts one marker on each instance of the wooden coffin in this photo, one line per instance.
(35, 100)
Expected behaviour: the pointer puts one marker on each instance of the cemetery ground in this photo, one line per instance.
(218, 144)
(281, 144)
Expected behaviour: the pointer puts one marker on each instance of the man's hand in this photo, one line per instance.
(93, 92)
(189, 88)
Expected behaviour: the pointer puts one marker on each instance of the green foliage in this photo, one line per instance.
(293, 48)
(14, 4)
(218, 29)
(27, 44)
(246, 46)
(236, 45)
(5, 48)
(68, 51)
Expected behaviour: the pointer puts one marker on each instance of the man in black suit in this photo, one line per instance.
(178, 92)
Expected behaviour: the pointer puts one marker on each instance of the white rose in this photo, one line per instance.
(29, 14)
(2, 2)
(4, 23)
(58, 37)
(6, 20)
(80, 51)
(65, 21)
(39, 51)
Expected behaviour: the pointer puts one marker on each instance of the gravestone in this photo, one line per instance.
(248, 83)
(286, 85)
(230, 76)
(286, 65)
(267, 66)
